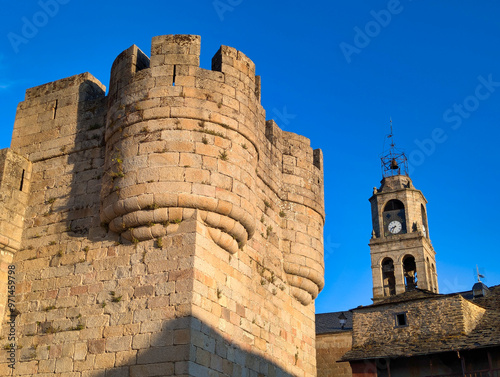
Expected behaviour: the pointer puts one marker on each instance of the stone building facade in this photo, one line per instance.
(333, 341)
(164, 228)
(402, 256)
(421, 333)
(410, 329)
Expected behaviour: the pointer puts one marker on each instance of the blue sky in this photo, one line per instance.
(335, 72)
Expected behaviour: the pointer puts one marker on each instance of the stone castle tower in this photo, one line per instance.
(165, 228)
(402, 256)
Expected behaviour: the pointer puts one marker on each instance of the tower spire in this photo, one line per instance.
(394, 161)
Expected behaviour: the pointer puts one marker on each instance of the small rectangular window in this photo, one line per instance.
(401, 319)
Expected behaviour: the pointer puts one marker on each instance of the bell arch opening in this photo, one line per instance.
(388, 278)
(394, 204)
(410, 272)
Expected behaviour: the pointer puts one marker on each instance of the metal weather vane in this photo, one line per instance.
(479, 276)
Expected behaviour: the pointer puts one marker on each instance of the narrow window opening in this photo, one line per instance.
(401, 320)
(22, 181)
(173, 78)
(54, 111)
(434, 277)
(425, 229)
(429, 275)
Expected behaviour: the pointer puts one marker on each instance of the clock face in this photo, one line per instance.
(395, 227)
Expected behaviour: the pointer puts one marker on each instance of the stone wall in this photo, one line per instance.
(329, 349)
(15, 178)
(451, 316)
(170, 229)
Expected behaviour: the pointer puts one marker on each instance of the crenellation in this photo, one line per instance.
(53, 132)
(71, 85)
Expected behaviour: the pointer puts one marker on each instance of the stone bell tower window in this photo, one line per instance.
(393, 205)
(410, 272)
(389, 280)
(394, 218)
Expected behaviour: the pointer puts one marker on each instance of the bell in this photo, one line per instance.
(394, 164)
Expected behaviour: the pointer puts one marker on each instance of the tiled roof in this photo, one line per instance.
(485, 334)
(329, 322)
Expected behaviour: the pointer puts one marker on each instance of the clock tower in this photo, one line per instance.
(402, 255)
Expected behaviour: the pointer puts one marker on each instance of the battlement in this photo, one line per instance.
(50, 89)
(174, 192)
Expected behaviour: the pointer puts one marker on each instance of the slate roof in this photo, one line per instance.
(416, 294)
(329, 322)
(485, 334)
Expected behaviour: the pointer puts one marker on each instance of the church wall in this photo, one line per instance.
(427, 319)
(329, 349)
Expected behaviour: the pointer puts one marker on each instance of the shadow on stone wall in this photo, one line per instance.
(180, 347)
(87, 159)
